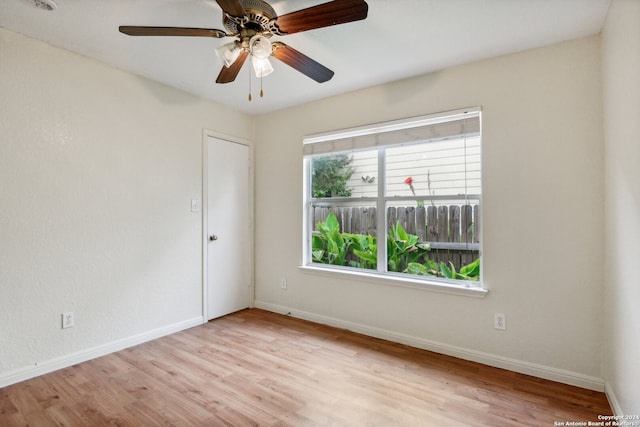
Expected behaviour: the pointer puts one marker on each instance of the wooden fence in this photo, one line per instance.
(450, 230)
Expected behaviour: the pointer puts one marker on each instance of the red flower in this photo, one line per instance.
(409, 182)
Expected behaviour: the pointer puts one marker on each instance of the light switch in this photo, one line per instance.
(195, 205)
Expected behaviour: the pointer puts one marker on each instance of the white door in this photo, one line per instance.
(229, 256)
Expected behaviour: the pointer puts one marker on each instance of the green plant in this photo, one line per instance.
(470, 271)
(428, 268)
(331, 246)
(404, 252)
(403, 248)
(330, 175)
(366, 249)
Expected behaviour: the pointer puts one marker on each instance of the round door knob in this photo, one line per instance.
(213, 237)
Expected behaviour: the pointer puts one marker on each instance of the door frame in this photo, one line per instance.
(205, 217)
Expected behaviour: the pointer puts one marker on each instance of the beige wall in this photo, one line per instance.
(621, 81)
(543, 192)
(97, 171)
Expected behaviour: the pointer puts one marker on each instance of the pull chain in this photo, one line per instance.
(249, 85)
(261, 92)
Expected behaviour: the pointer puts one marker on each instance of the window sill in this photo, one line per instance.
(390, 280)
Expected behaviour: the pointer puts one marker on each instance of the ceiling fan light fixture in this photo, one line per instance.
(261, 66)
(228, 53)
(260, 47)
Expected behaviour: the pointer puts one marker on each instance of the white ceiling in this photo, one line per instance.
(399, 39)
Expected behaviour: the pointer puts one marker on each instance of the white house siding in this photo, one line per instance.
(437, 169)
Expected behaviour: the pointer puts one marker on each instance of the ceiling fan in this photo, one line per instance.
(253, 23)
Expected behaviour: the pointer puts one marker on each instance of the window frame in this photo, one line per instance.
(380, 274)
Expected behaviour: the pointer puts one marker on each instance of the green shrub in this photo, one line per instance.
(330, 175)
(404, 253)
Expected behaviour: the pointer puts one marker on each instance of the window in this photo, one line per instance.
(414, 184)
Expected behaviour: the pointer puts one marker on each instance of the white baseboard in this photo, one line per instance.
(613, 400)
(533, 369)
(65, 361)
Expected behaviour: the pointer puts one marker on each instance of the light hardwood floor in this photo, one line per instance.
(259, 368)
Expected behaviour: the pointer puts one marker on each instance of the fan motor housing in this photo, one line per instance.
(258, 16)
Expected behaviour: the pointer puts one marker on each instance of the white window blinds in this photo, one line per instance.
(451, 125)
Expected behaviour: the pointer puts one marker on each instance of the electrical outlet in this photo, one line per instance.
(283, 284)
(499, 321)
(67, 320)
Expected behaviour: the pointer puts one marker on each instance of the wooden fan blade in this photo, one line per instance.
(232, 7)
(229, 74)
(324, 15)
(301, 62)
(172, 31)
